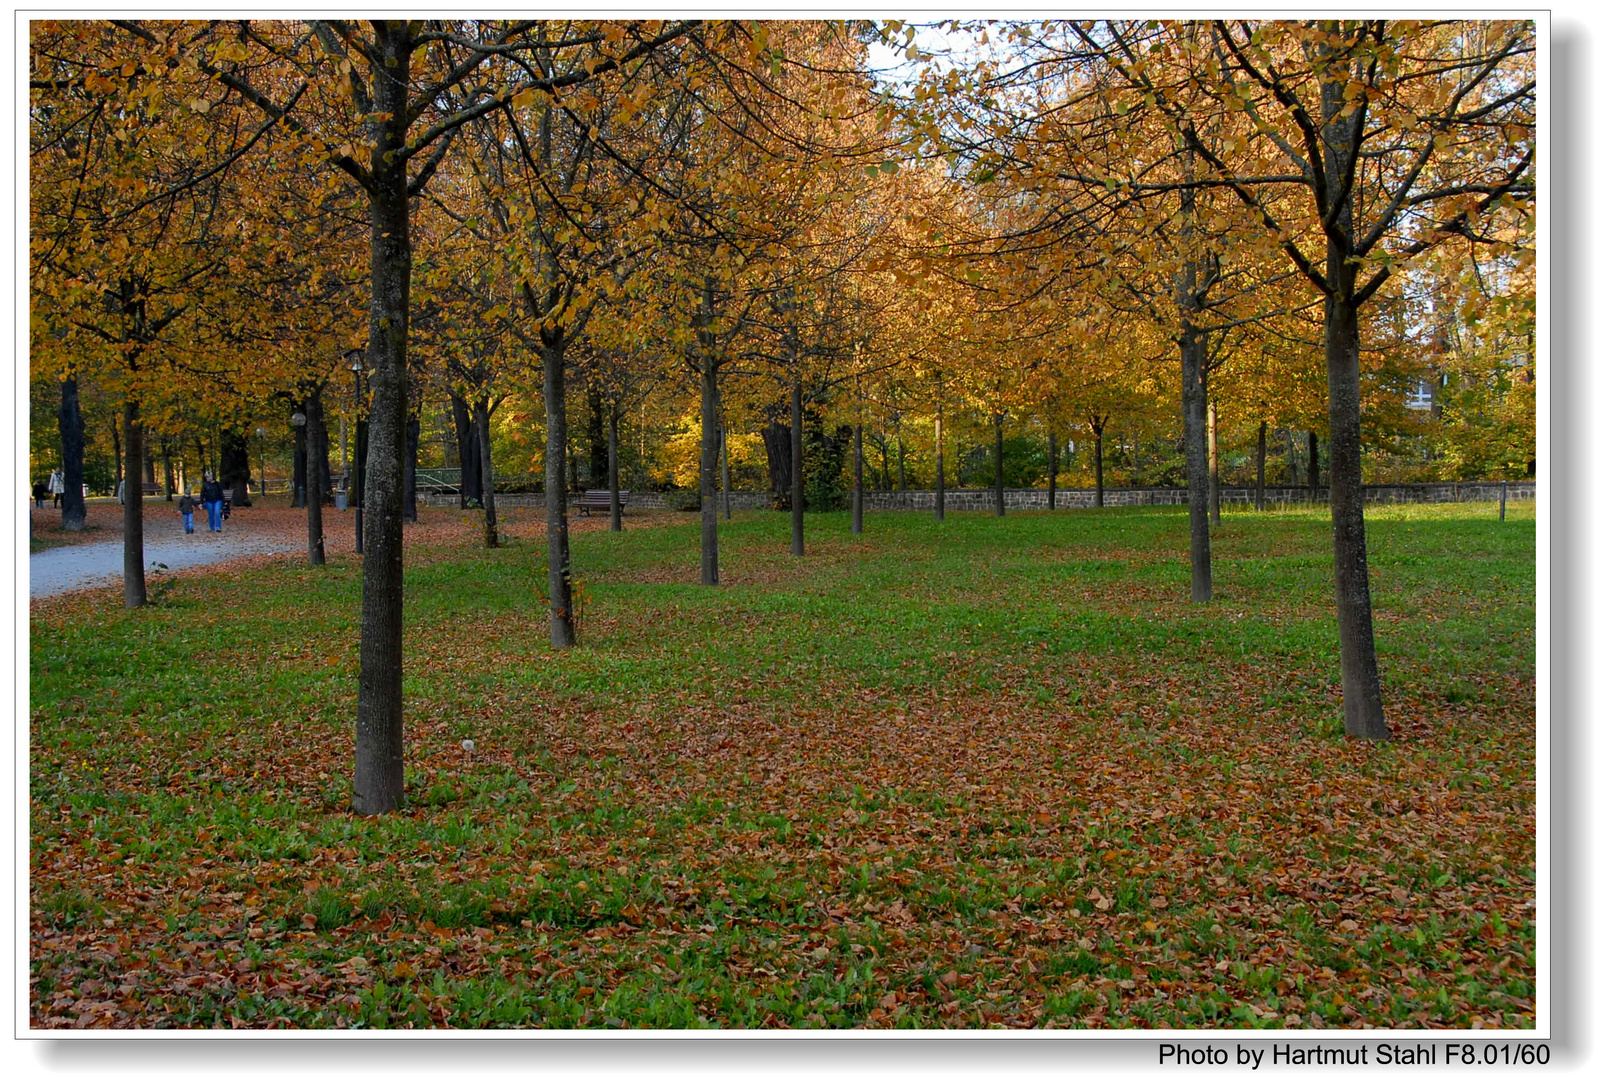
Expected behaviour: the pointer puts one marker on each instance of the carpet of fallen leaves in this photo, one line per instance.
(1000, 774)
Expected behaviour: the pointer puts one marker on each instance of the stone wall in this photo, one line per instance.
(1075, 498)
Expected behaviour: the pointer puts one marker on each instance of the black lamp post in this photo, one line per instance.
(299, 419)
(360, 449)
(262, 477)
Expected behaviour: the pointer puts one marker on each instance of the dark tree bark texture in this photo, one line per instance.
(796, 473)
(315, 417)
(70, 423)
(561, 616)
(133, 509)
(378, 771)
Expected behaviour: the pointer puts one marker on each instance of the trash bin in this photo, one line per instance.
(341, 500)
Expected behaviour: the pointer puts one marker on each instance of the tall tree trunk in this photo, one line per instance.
(1096, 429)
(469, 452)
(313, 410)
(235, 465)
(709, 403)
(900, 462)
(378, 771)
(561, 615)
(615, 467)
(1314, 467)
(1195, 412)
(939, 451)
(1362, 686)
(411, 465)
(489, 502)
(1258, 492)
(1001, 491)
(70, 423)
(598, 450)
(148, 466)
(167, 469)
(1213, 463)
(796, 472)
(1051, 470)
(360, 458)
(727, 490)
(856, 490)
(117, 450)
(133, 508)
(776, 437)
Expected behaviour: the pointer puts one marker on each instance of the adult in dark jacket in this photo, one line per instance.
(212, 497)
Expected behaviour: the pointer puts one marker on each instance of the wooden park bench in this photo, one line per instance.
(149, 489)
(598, 500)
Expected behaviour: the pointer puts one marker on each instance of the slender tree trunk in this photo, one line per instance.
(598, 452)
(615, 468)
(235, 466)
(489, 502)
(939, 452)
(167, 469)
(315, 417)
(378, 771)
(1213, 463)
(1314, 467)
(561, 615)
(117, 450)
(796, 472)
(1258, 492)
(709, 403)
(469, 452)
(1001, 491)
(900, 463)
(1362, 687)
(856, 490)
(411, 465)
(133, 508)
(70, 423)
(1051, 470)
(727, 489)
(1096, 429)
(1199, 471)
(148, 467)
(360, 458)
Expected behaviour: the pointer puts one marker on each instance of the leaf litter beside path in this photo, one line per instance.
(657, 829)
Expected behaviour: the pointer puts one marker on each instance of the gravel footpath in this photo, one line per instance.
(84, 566)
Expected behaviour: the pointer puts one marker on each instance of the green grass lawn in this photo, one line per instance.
(985, 772)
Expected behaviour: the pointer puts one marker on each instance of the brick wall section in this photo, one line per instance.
(1075, 498)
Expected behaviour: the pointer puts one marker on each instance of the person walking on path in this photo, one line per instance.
(212, 497)
(57, 486)
(41, 489)
(187, 511)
